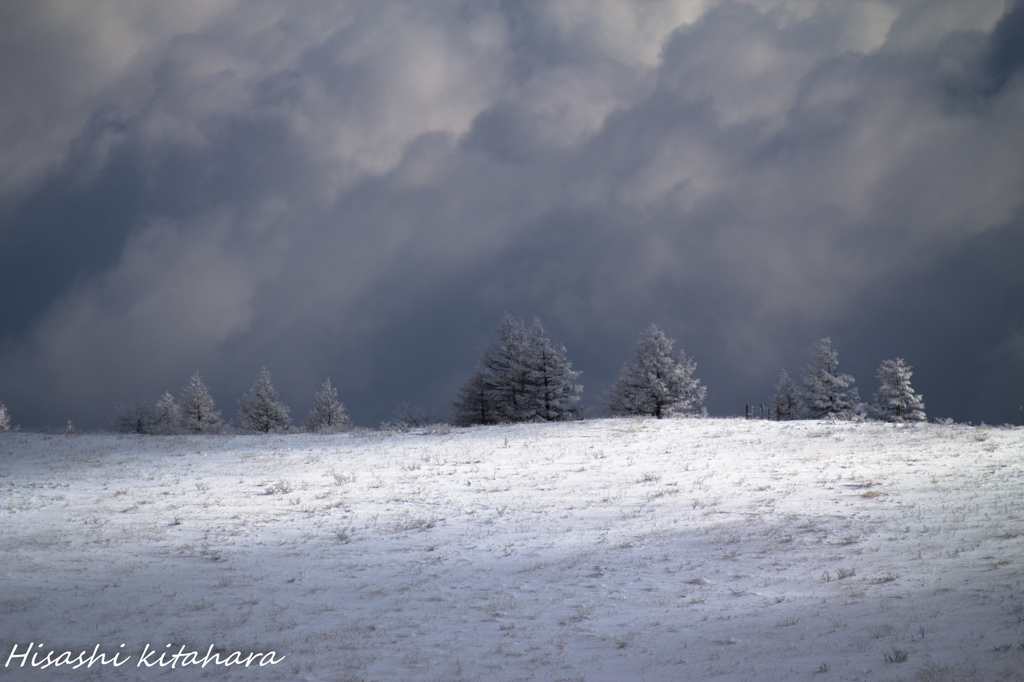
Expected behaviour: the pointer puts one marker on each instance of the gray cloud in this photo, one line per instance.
(360, 190)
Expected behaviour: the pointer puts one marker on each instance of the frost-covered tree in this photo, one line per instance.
(896, 400)
(198, 412)
(551, 390)
(328, 414)
(826, 391)
(166, 415)
(524, 377)
(261, 409)
(5, 418)
(135, 417)
(657, 381)
(786, 401)
(474, 404)
(506, 372)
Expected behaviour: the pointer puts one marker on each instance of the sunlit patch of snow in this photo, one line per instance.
(597, 550)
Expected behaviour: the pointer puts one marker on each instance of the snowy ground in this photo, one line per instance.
(599, 550)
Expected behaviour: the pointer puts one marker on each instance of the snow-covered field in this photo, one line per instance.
(598, 550)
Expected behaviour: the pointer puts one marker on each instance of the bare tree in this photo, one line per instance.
(135, 417)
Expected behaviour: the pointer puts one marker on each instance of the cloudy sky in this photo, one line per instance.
(360, 190)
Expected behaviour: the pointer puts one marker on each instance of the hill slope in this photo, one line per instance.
(598, 550)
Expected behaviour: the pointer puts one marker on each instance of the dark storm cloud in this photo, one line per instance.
(1006, 54)
(360, 191)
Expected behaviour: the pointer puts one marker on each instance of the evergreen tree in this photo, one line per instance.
(786, 401)
(657, 382)
(328, 413)
(506, 373)
(895, 400)
(474, 404)
(826, 391)
(166, 415)
(524, 377)
(198, 412)
(550, 378)
(261, 409)
(5, 418)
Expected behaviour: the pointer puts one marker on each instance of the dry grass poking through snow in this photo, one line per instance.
(601, 550)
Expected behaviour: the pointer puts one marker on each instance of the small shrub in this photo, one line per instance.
(887, 578)
(279, 488)
(342, 478)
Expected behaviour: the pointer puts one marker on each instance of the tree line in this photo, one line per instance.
(825, 392)
(260, 410)
(526, 377)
